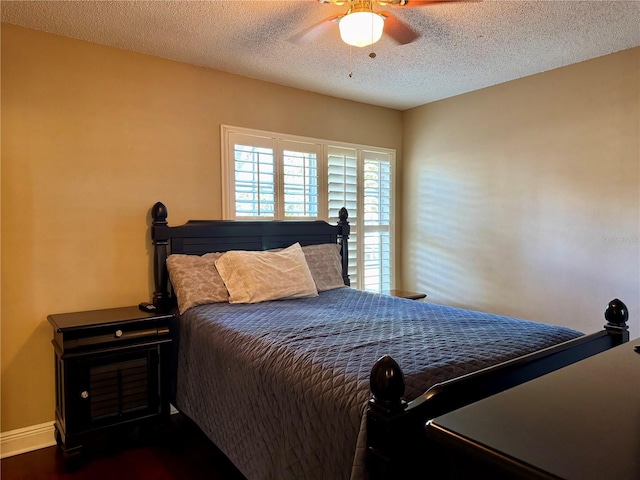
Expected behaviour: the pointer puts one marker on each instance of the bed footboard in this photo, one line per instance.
(395, 441)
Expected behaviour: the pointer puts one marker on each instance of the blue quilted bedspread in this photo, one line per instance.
(281, 387)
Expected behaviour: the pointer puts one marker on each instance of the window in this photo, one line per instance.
(282, 177)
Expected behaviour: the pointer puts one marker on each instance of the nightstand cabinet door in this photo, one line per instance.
(101, 389)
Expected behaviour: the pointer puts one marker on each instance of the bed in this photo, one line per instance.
(312, 386)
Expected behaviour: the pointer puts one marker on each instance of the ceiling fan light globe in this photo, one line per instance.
(361, 28)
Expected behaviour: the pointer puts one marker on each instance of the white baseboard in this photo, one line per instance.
(26, 439)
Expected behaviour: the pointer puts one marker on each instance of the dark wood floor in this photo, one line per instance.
(181, 452)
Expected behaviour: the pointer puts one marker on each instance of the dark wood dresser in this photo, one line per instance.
(581, 422)
(111, 370)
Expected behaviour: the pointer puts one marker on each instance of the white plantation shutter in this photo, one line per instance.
(274, 176)
(377, 219)
(299, 179)
(271, 177)
(254, 181)
(252, 175)
(342, 168)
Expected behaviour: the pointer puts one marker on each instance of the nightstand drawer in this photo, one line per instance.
(86, 330)
(109, 336)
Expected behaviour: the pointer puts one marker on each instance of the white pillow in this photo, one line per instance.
(252, 277)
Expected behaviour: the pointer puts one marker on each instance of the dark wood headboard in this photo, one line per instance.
(197, 237)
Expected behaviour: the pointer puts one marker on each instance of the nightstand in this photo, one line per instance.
(112, 370)
(406, 294)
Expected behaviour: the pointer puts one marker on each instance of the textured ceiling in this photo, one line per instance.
(463, 46)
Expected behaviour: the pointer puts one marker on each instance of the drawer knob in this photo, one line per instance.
(84, 394)
(118, 333)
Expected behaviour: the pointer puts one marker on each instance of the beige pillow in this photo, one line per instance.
(325, 264)
(196, 280)
(253, 277)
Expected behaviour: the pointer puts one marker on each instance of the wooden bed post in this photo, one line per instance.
(160, 242)
(387, 385)
(345, 230)
(386, 446)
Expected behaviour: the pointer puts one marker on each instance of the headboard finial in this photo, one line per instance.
(616, 312)
(616, 316)
(343, 214)
(159, 214)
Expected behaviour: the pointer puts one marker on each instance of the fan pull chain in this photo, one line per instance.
(350, 63)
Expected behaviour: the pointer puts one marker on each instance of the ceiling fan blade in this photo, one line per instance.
(421, 3)
(412, 3)
(314, 32)
(398, 30)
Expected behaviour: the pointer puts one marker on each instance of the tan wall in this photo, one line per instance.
(93, 136)
(523, 198)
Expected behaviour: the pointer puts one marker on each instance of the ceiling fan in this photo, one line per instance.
(361, 25)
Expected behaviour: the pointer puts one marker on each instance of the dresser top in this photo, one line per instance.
(582, 421)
